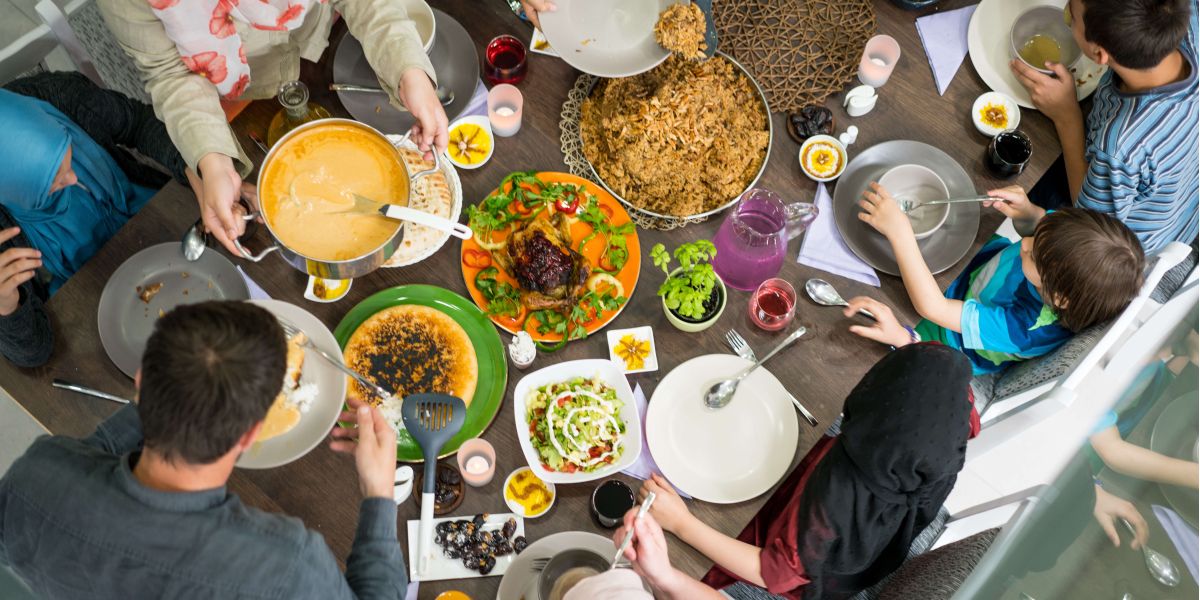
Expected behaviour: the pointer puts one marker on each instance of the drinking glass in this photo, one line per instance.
(1008, 153)
(752, 242)
(504, 60)
(773, 304)
(610, 501)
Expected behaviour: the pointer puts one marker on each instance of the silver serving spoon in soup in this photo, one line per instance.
(822, 292)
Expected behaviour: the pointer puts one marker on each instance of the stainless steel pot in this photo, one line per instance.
(341, 269)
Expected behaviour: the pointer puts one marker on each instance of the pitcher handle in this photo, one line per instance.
(799, 216)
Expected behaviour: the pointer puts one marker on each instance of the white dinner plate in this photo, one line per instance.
(990, 49)
(442, 567)
(607, 38)
(724, 455)
(315, 425)
(608, 372)
(520, 580)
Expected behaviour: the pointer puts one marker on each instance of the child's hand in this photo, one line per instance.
(1013, 203)
(1054, 96)
(668, 508)
(881, 211)
(886, 329)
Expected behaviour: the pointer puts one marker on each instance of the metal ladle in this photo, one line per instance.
(1160, 567)
(719, 395)
(822, 292)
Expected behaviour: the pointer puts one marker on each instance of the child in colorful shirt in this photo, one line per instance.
(1015, 300)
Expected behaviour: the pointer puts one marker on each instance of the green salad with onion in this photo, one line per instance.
(575, 425)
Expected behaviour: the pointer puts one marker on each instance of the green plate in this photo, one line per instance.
(489, 351)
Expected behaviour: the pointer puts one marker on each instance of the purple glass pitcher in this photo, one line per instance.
(753, 240)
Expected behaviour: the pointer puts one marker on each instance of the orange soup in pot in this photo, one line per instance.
(312, 177)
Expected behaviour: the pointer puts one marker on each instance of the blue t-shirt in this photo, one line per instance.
(1142, 155)
(1004, 319)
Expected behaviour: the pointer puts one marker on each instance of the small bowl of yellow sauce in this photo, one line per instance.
(527, 495)
(327, 290)
(994, 112)
(471, 142)
(823, 158)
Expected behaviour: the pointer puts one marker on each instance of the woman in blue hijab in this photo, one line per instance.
(68, 185)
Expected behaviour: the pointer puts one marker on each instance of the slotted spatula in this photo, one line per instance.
(432, 419)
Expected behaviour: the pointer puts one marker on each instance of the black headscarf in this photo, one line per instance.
(903, 442)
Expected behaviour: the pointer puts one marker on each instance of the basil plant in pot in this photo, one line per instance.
(693, 296)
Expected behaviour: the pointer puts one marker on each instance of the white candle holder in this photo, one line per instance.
(879, 59)
(504, 109)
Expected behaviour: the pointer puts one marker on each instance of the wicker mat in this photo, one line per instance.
(800, 51)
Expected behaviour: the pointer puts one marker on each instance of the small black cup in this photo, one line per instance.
(1008, 153)
(610, 501)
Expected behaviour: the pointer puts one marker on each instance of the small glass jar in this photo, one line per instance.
(297, 110)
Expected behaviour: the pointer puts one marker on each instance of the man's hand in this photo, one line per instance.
(886, 329)
(17, 265)
(420, 98)
(1109, 508)
(1054, 96)
(220, 187)
(533, 7)
(373, 443)
(881, 211)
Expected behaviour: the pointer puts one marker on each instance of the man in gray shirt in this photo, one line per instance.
(139, 509)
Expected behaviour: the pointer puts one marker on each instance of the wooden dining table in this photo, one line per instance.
(321, 488)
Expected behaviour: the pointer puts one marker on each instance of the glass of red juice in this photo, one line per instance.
(504, 60)
(773, 304)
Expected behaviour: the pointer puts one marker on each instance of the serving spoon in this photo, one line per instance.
(719, 395)
(822, 292)
(363, 205)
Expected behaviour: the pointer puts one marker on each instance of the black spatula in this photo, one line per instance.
(431, 419)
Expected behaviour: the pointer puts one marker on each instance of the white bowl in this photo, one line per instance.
(480, 121)
(918, 184)
(422, 17)
(517, 508)
(610, 373)
(1010, 106)
(843, 157)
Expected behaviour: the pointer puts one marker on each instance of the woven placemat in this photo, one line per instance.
(800, 51)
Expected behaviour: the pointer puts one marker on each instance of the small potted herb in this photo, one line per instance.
(693, 296)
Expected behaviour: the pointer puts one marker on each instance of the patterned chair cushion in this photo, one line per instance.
(115, 67)
(937, 575)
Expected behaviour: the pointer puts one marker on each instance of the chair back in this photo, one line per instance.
(92, 47)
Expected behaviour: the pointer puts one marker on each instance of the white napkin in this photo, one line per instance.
(944, 35)
(1184, 538)
(645, 466)
(256, 291)
(823, 247)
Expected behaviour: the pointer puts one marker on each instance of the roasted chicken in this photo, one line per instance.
(539, 256)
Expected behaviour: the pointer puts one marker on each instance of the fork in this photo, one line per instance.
(292, 331)
(742, 348)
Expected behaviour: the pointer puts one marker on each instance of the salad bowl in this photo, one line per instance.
(585, 412)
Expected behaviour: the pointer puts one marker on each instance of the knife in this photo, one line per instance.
(87, 391)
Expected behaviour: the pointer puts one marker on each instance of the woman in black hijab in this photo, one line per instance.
(845, 518)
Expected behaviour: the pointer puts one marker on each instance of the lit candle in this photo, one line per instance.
(879, 58)
(477, 465)
(477, 462)
(504, 109)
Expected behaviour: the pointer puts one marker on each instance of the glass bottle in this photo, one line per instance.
(297, 110)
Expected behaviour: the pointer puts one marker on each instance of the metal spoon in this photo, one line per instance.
(87, 391)
(194, 241)
(1160, 567)
(445, 95)
(822, 292)
(721, 392)
(907, 206)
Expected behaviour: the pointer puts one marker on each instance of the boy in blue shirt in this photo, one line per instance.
(1015, 300)
(1137, 158)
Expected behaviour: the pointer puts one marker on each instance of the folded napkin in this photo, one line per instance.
(823, 247)
(1184, 538)
(944, 35)
(645, 466)
(411, 592)
(478, 104)
(256, 291)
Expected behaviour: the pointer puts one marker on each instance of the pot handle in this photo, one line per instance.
(799, 216)
(246, 253)
(437, 160)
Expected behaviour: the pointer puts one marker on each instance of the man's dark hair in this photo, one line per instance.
(1138, 34)
(1090, 264)
(210, 372)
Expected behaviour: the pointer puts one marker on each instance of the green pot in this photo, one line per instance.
(697, 326)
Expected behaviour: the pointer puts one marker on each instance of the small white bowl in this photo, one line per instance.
(645, 333)
(422, 17)
(1010, 108)
(843, 156)
(480, 121)
(310, 289)
(517, 509)
(918, 183)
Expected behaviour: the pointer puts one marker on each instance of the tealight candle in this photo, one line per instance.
(504, 109)
(879, 59)
(477, 462)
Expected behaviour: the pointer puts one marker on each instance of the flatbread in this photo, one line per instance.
(412, 349)
(431, 195)
(283, 414)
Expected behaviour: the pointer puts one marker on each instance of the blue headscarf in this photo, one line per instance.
(70, 225)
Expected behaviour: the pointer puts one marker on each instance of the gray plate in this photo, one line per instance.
(1174, 435)
(941, 250)
(454, 60)
(607, 39)
(126, 322)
